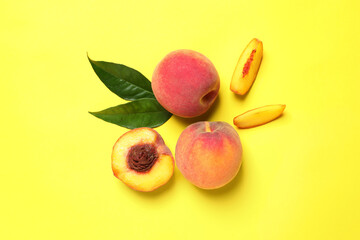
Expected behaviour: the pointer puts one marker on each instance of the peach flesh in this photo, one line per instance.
(248, 63)
(185, 83)
(208, 154)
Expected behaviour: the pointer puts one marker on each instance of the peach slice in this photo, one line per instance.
(259, 116)
(247, 67)
(141, 160)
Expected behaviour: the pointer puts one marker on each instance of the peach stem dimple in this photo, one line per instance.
(208, 97)
(207, 127)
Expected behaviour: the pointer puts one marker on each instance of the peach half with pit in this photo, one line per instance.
(185, 83)
(209, 154)
(141, 159)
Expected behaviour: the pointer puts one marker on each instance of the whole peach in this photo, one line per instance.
(209, 154)
(185, 83)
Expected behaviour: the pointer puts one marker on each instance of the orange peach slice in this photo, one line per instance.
(141, 160)
(247, 67)
(259, 116)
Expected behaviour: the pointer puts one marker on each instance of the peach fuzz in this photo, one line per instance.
(185, 83)
(141, 160)
(209, 154)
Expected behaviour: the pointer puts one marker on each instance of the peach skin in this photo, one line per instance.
(247, 67)
(259, 116)
(185, 83)
(141, 160)
(209, 154)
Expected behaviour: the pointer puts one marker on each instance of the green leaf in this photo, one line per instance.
(125, 82)
(139, 113)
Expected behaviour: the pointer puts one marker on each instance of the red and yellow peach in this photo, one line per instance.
(185, 83)
(209, 154)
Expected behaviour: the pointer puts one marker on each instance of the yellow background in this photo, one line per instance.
(300, 175)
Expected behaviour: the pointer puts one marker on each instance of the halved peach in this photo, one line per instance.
(259, 116)
(247, 67)
(141, 159)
